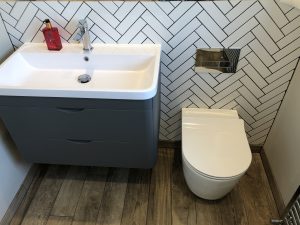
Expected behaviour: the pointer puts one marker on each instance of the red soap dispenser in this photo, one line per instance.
(52, 37)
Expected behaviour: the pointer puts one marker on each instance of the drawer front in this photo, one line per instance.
(78, 123)
(86, 152)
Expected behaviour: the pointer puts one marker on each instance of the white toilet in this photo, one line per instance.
(215, 151)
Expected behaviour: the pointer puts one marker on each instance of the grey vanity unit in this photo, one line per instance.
(94, 132)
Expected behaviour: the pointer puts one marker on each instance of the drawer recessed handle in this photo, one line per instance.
(70, 110)
(79, 141)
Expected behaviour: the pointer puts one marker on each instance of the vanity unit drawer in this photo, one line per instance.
(77, 123)
(110, 153)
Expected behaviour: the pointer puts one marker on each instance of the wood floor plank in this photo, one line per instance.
(41, 205)
(113, 197)
(254, 200)
(207, 213)
(240, 215)
(36, 182)
(90, 200)
(183, 201)
(59, 220)
(265, 187)
(136, 199)
(160, 209)
(68, 196)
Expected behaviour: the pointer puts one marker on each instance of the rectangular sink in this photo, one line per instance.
(117, 71)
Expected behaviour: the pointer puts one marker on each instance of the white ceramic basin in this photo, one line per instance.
(117, 71)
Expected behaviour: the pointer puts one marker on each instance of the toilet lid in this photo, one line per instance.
(217, 147)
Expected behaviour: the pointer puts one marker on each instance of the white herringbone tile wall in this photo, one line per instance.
(267, 32)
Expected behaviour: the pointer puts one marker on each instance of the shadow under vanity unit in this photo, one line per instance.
(89, 128)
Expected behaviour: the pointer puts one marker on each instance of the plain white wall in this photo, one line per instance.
(12, 169)
(283, 143)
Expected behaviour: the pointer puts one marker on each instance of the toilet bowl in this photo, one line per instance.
(215, 151)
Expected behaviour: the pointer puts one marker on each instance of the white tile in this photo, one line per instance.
(278, 82)
(164, 80)
(185, 86)
(197, 101)
(269, 25)
(17, 43)
(252, 86)
(185, 19)
(18, 9)
(178, 108)
(263, 120)
(259, 137)
(31, 30)
(293, 13)
(234, 86)
(156, 25)
(289, 38)
(183, 45)
(249, 96)
(289, 58)
(275, 92)
(56, 6)
(287, 49)
(287, 68)
(167, 7)
(246, 105)
(271, 102)
(104, 25)
(215, 13)
(110, 6)
(258, 64)
(275, 12)
(187, 54)
(241, 64)
(244, 115)
(184, 33)
(71, 9)
(165, 58)
(201, 44)
(208, 37)
(102, 35)
(158, 13)
(244, 51)
(243, 18)
(238, 9)
(224, 6)
(204, 86)
(182, 69)
(230, 80)
(136, 12)
(240, 32)
(267, 111)
(230, 105)
(80, 14)
(182, 79)
(48, 11)
(7, 18)
(132, 32)
(12, 31)
(243, 41)
(265, 39)
(225, 100)
(26, 18)
(255, 76)
(209, 79)
(124, 9)
(202, 95)
(152, 34)
(291, 26)
(138, 39)
(263, 55)
(180, 10)
(180, 96)
(210, 24)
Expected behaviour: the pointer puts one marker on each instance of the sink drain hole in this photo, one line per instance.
(84, 78)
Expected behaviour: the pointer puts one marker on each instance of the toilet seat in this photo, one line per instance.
(214, 143)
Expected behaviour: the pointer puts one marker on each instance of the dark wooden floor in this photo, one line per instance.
(66, 195)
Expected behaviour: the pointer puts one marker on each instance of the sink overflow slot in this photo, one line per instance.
(86, 58)
(84, 78)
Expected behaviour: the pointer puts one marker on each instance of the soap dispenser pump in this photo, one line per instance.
(52, 37)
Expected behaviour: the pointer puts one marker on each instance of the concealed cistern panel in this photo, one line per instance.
(216, 60)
